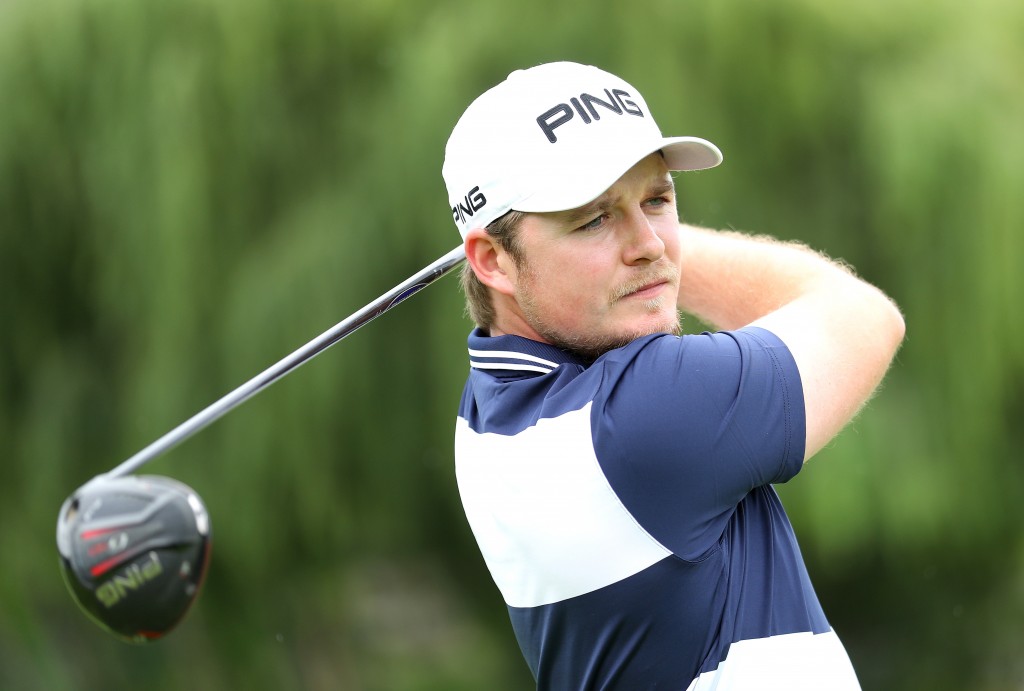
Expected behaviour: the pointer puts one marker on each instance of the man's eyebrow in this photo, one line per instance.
(587, 211)
(662, 187)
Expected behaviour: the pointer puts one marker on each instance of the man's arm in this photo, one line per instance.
(842, 331)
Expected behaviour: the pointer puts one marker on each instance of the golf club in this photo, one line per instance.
(134, 550)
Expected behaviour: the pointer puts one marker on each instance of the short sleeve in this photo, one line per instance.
(684, 428)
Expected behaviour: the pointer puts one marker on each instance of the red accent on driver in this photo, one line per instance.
(108, 564)
(97, 532)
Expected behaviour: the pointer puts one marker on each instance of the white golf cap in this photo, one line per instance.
(552, 138)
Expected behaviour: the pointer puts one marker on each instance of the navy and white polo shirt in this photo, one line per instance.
(625, 511)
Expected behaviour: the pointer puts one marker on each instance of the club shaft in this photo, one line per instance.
(371, 311)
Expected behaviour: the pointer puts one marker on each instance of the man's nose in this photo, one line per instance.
(642, 242)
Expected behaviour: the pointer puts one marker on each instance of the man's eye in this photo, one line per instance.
(594, 224)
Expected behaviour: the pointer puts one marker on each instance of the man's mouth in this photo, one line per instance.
(645, 288)
(648, 291)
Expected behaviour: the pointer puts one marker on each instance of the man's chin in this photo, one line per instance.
(592, 347)
(656, 322)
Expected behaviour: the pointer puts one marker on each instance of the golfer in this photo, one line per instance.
(616, 475)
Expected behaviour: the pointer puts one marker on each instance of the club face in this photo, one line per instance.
(134, 552)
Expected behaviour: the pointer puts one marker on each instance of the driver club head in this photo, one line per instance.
(134, 552)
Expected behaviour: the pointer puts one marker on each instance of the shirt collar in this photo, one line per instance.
(515, 354)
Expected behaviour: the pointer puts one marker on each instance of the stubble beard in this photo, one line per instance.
(590, 346)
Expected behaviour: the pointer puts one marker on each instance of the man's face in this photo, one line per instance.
(598, 277)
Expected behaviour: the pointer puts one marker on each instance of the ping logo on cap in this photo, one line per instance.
(473, 201)
(619, 102)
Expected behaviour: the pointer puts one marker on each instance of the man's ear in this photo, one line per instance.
(492, 265)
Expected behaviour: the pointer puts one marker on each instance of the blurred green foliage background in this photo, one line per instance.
(191, 189)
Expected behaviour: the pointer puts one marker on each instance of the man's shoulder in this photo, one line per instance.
(747, 336)
(514, 383)
(653, 355)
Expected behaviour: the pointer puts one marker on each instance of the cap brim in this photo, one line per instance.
(690, 153)
(563, 191)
